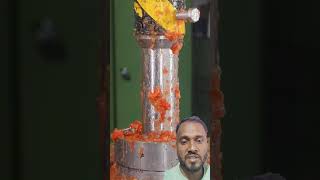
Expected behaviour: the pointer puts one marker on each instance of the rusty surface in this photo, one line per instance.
(218, 109)
(103, 110)
(218, 113)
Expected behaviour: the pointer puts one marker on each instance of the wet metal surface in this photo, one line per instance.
(147, 156)
(141, 175)
(160, 70)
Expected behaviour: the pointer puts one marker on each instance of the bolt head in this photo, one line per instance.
(194, 14)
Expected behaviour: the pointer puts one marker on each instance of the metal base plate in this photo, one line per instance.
(141, 175)
(146, 156)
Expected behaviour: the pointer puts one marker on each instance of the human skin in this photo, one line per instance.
(192, 149)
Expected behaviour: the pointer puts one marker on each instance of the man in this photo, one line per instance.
(192, 150)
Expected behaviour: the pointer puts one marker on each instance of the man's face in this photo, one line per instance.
(192, 146)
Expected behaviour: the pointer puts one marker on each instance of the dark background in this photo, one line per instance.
(291, 92)
(269, 59)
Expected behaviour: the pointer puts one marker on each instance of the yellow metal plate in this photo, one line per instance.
(137, 9)
(164, 13)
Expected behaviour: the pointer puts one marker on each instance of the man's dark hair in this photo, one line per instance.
(192, 119)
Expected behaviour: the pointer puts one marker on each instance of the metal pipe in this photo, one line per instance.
(160, 91)
(160, 78)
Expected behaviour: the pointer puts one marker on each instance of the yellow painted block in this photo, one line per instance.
(137, 9)
(164, 13)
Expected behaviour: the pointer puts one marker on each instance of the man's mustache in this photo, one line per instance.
(192, 155)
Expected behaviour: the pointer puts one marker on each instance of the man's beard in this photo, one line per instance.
(193, 166)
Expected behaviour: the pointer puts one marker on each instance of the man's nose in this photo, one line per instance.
(193, 147)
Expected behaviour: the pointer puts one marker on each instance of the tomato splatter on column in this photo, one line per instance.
(176, 39)
(116, 134)
(159, 102)
(165, 71)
